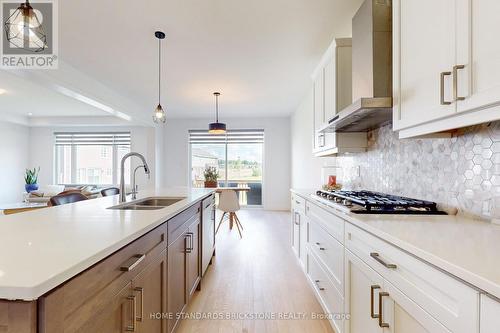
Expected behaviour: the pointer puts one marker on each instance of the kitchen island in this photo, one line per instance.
(85, 267)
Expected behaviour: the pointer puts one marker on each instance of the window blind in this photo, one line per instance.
(230, 137)
(121, 139)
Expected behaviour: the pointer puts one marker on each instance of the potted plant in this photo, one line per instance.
(31, 179)
(211, 176)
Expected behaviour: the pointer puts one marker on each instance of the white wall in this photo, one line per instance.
(276, 154)
(14, 159)
(42, 149)
(306, 169)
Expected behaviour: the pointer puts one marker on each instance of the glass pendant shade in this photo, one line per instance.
(159, 115)
(24, 30)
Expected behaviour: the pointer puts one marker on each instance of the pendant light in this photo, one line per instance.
(217, 128)
(24, 29)
(159, 115)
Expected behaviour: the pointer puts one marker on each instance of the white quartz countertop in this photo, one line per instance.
(41, 249)
(463, 247)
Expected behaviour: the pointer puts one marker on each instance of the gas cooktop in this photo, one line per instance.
(368, 202)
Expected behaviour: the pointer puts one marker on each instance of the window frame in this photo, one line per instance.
(226, 140)
(73, 152)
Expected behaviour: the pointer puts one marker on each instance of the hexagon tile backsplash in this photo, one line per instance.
(462, 171)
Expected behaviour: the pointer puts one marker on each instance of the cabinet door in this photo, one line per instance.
(363, 286)
(296, 233)
(318, 110)
(426, 49)
(150, 290)
(330, 90)
(478, 51)
(193, 257)
(490, 315)
(402, 315)
(208, 235)
(319, 101)
(116, 317)
(176, 290)
(303, 237)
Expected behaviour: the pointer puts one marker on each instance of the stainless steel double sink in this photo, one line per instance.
(152, 203)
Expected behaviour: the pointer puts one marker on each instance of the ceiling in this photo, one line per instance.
(259, 54)
(21, 98)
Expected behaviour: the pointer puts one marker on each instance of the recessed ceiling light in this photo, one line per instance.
(2, 91)
(30, 114)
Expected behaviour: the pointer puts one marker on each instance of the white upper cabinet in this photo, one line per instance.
(426, 56)
(332, 86)
(446, 69)
(479, 53)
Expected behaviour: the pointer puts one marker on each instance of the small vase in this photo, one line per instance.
(31, 187)
(210, 184)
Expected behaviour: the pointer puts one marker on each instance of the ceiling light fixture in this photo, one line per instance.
(159, 115)
(217, 128)
(2, 91)
(24, 29)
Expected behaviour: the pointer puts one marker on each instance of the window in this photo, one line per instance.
(238, 156)
(90, 158)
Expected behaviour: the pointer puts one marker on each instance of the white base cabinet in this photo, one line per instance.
(371, 286)
(299, 228)
(490, 315)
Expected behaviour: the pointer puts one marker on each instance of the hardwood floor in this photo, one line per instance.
(256, 274)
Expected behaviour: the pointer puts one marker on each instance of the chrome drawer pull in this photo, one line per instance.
(131, 328)
(443, 74)
(188, 248)
(141, 290)
(372, 297)
(319, 246)
(317, 285)
(380, 304)
(455, 82)
(376, 256)
(130, 264)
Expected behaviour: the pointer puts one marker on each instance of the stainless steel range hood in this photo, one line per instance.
(371, 70)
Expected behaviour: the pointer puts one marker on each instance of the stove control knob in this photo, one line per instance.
(346, 202)
(330, 197)
(339, 200)
(319, 192)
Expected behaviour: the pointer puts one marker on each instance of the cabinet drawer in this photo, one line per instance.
(330, 252)
(331, 299)
(333, 224)
(67, 306)
(298, 203)
(206, 203)
(176, 224)
(452, 303)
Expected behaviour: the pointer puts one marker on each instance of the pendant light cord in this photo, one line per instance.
(216, 108)
(159, 71)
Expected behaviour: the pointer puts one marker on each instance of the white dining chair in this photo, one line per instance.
(228, 203)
